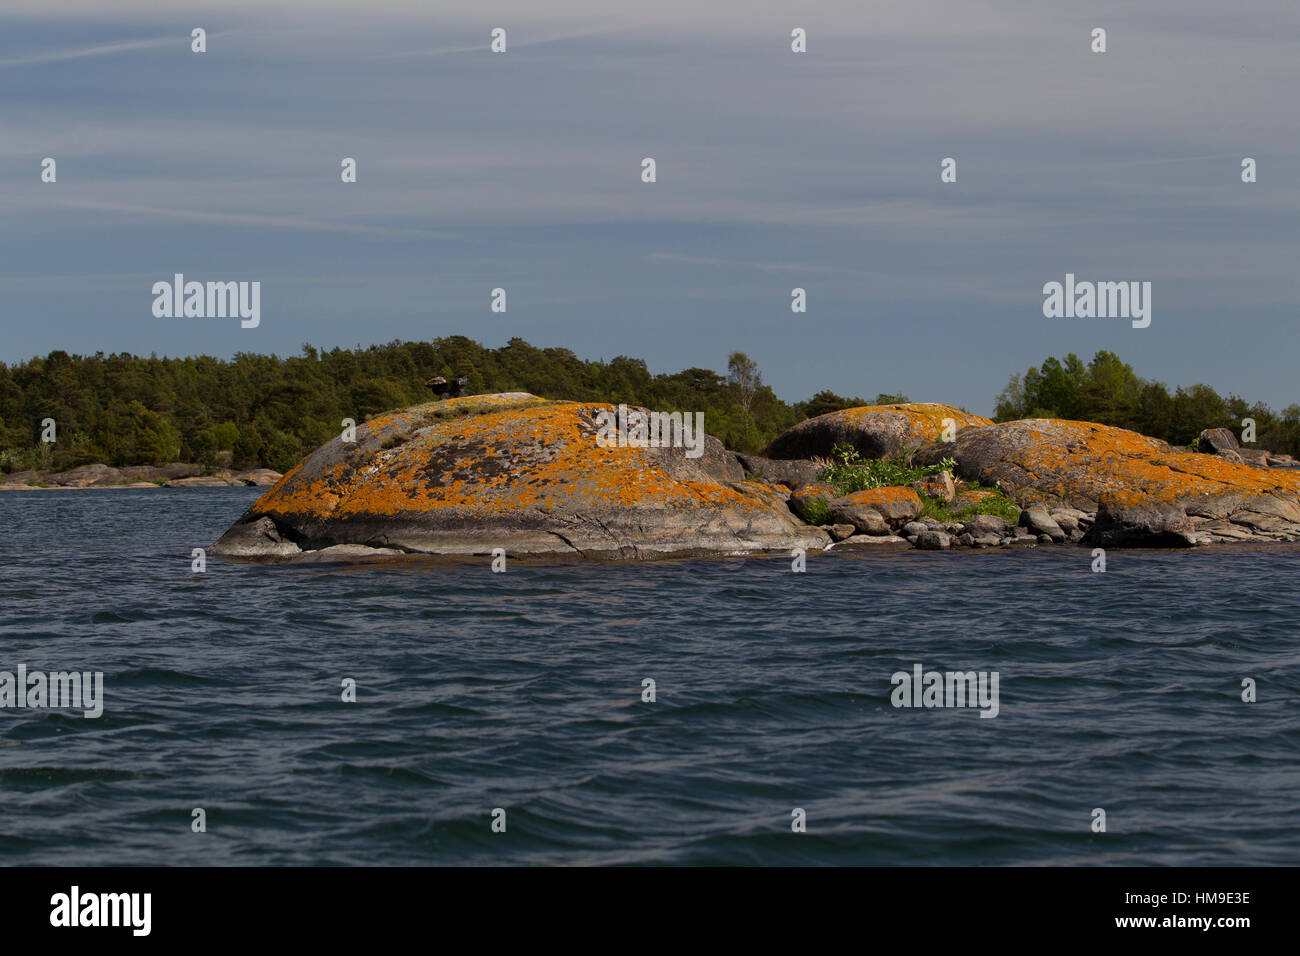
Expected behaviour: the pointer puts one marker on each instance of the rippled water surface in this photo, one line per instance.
(523, 691)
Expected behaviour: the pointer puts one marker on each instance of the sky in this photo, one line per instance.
(775, 170)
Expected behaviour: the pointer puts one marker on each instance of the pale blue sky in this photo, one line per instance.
(776, 170)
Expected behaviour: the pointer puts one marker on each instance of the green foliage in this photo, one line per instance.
(884, 398)
(945, 511)
(827, 401)
(269, 411)
(1108, 391)
(138, 435)
(817, 511)
(849, 472)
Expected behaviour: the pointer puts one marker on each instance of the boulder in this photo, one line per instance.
(259, 477)
(256, 537)
(913, 528)
(839, 532)
(1155, 525)
(805, 495)
(1066, 521)
(1214, 440)
(863, 518)
(349, 554)
(1256, 457)
(1041, 524)
(882, 542)
(513, 471)
(1147, 488)
(986, 524)
(85, 476)
(933, 541)
(793, 474)
(896, 505)
(936, 486)
(876, 431)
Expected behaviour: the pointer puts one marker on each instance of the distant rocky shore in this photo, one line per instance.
(528, 476)
(176, 475)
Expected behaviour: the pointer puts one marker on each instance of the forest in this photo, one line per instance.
(269, 411)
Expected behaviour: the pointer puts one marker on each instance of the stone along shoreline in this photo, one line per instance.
(176, 475)
(530, 476)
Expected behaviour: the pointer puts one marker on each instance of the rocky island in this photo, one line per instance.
(468, 475)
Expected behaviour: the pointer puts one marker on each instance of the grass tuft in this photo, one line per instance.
(848, 472)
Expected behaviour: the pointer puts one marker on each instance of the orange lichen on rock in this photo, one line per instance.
(894, 502)
(876, 431)
(1073, 460)
(809, 501)
(926, 418)
(527, 470)
(814, 490)
(1140, 487)
(536, 458)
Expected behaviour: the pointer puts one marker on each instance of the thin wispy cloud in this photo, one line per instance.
(512, 44)
(181, 42)
(235, 218)
(818, 170)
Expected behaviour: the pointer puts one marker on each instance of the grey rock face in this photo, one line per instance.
(933, 540)
(986, 524)
(792, 473)
(874, 542)
(468, 475)
(1214, 440)
(1041, 524)
(862, 518)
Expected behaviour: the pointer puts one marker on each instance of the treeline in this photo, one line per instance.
(267, 411)
(262, 410)
(1107, 390)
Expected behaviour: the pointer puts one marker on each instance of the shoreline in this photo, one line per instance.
(172, 475)
(513, 475)
(132, 486)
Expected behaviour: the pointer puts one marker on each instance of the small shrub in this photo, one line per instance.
(849, 472)
(817, 511)
(945, 511)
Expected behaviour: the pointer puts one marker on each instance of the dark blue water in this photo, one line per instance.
(523, 690)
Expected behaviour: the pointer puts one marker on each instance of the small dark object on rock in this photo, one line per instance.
(445, 389)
